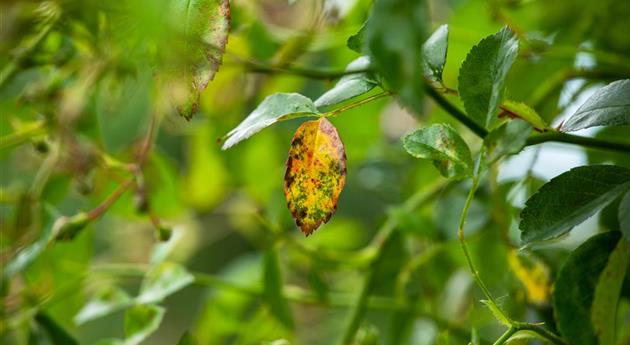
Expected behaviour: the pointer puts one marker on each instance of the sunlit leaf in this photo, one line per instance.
(206, 24)
(607, 293)
(482, 75)
(441, 144)
(271, 110)
(141, 321)
(507, 139)
(575, 288)
(349, 86)
(569, 199)
(162, 281)
(106, 301)
(315, 174)
(395, 33)
(434, 53)
(524, 112)
(278, 304)
(609, 106)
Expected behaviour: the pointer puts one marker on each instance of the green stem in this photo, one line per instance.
(22, 135)
(549, 336)
(358, 103)
(455, 112)
(553, 136)
(506, 336)
(260, 67)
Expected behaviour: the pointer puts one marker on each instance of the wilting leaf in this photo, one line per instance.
(106, 301)
(624, 216)
(524, 112)
(315, 174)
(56, 334)
(607, 293)
(441, 144)
(163, 280)
(575, 288)
(609, 106)
(483, 73)
(271, 110)
(278, 305)
(507, 139)
(206, 24)
(395, 33)
(569, 199)
(349, 86)
(434, 53)
(140, 321)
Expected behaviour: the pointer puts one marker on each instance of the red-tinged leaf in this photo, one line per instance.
(206, 24)
(315, 174)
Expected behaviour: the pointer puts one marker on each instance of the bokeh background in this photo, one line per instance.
(91, 84)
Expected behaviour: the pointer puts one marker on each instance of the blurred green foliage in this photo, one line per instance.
(83, 82)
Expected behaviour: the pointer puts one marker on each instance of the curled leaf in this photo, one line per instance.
(315, 174)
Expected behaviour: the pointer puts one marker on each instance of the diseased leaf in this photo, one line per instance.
(609, 106)
(206, 24)
(483, 73)
(163, 280)
(271, 110)
(575, 288)
(356, 42)
(349, 86)
(603, 312)
(141, 321)
(624, 216)
(434, 53)
(273, 289)
(395, 33)
(106, 301)
(441, 144)
(533, 273)
(524, 112)
(569, 199)
(56, 334)
(507, 139)
(315, 174)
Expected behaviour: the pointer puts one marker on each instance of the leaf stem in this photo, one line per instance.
(358, 103)
(506, 336)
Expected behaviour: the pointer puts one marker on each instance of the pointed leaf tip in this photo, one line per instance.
(315, 174)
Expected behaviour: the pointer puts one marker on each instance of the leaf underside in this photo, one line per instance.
(609, 106)
(315, 174)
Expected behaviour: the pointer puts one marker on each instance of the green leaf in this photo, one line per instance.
(575, 288)
(483, 73)
(395, 33)
(524, 112)
(603, 312)
(205, 24)
(569, 199)
(140, 321)
(609, 106)
(56, 334)
(434, 53)
(274, 108)
(349, 86)
(187, 339)
(274, 296)
(624, 216)
(507, 139)
(441, 144)
(162, 281)
(356, 42)
(106, 301)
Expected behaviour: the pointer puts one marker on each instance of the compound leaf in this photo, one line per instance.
(315, 174)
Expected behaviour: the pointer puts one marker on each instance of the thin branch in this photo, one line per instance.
(322, 74)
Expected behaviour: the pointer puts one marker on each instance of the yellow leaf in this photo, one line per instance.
(315, 174)
(533, 274)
